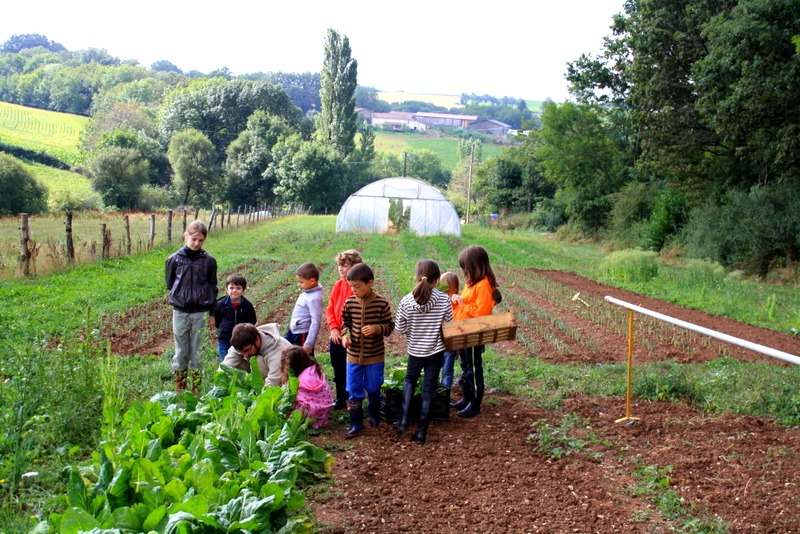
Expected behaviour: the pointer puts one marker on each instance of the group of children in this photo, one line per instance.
(358, 319)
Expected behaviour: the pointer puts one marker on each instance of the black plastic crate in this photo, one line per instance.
(392, 405)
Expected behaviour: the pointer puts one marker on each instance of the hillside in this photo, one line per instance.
(56, 134)
(446, 148)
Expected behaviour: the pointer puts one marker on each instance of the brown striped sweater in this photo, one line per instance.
(357, 313)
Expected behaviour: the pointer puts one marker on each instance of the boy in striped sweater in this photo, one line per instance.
(366, 320)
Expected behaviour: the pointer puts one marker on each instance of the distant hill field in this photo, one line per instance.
(56, 134)
(447, 101)
(444, 147)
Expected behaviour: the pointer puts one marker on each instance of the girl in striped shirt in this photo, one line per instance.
(420, 315)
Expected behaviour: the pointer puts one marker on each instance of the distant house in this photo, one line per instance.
(445, 119)
(398, 121)
(490, 127)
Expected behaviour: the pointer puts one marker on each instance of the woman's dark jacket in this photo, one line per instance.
(191, 278)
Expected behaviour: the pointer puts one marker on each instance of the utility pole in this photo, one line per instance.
(405, 162)
(469, 178)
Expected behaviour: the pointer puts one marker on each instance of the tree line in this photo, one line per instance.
(684, 133)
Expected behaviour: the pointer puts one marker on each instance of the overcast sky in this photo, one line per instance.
(497, 47)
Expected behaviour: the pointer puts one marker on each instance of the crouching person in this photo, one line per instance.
(265, 343)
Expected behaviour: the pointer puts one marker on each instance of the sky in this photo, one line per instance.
(497, 47)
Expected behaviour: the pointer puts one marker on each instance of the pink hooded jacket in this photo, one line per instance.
(314, 397)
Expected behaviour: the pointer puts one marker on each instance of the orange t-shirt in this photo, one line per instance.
(477, 301)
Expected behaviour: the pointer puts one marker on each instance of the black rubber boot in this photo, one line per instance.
(341, 398)
(408, 394)
(374, 409)
(466, 396)
(422, 426)
(356, 419)
(474, 407)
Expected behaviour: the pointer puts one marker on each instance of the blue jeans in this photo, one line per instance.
(222, 349)
(447, 368)
(364, 380)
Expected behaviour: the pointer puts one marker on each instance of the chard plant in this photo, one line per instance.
(231, 461)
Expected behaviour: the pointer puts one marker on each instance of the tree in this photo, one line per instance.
(118, 174)
(249, 156)
(426, 165)
(194, 162)
(310, 173)
(162, 65)
(221, 108)
(22, 193)
(583, 155)
(336, 123)
(17, 43)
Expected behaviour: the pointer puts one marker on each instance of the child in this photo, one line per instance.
(341, 290)
(451, 280)
(191, 277)
(475, 300)
(265, 343)
(230, 311)
(313, 397)
(366, 320)
(420, 315)
(307, 312)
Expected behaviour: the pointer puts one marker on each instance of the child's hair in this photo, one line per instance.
(497, 297)
(351, 256)
(474, 261)
(307, 271)
(236, 279)
(197, 227)
(360, 272)
(451, 279)
(243, 334)
(427, 275)
(298, 360)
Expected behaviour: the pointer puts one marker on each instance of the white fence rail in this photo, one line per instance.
(707, 331)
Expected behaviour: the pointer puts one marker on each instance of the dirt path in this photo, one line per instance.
(485, 475)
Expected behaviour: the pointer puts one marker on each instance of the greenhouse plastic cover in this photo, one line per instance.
(367, 210)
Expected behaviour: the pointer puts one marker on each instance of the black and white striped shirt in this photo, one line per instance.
(422, 323)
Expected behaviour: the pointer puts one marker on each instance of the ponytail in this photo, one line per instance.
(427, 275)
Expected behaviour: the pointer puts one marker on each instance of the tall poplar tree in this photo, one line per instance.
(336, 126)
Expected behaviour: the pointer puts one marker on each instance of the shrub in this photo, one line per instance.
(669, 215)
(154, 198)
(630, 265)
(633, 204)
(22, 193)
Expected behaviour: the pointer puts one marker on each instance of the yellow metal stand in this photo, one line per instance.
(628, 419)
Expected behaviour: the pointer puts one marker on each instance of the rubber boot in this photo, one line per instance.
(474, 407)
(374, 410)
(422, 426)
(356, 410)
(466, 396)
(197, 380)
(341, 398)
(408, 394)
(180, 381)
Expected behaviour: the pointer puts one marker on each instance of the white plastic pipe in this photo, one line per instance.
(707, 331)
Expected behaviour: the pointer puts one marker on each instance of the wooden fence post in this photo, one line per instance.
(238, 209)
(24, 240)
(105, 236)
(196, 213)
(184, 220)
(169, 226)
(128, 233)
(211, 218)
(152, 231)
(70, 242)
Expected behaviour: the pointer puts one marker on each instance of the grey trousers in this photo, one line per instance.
(188, 330)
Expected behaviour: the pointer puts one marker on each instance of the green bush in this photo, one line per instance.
(630, 265)
(668, 217)
(154, 198)
(22, 193)
(633, 205)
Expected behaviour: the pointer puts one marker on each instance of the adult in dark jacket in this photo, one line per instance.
(191, 277)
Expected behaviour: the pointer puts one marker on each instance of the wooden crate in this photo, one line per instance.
(479, 331)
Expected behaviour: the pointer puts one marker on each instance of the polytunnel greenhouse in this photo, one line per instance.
(427, 210)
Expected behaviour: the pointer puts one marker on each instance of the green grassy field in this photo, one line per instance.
(61, 183)
(57, 134)
(445, 148)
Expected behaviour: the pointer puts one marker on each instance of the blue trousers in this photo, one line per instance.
(363, 381)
